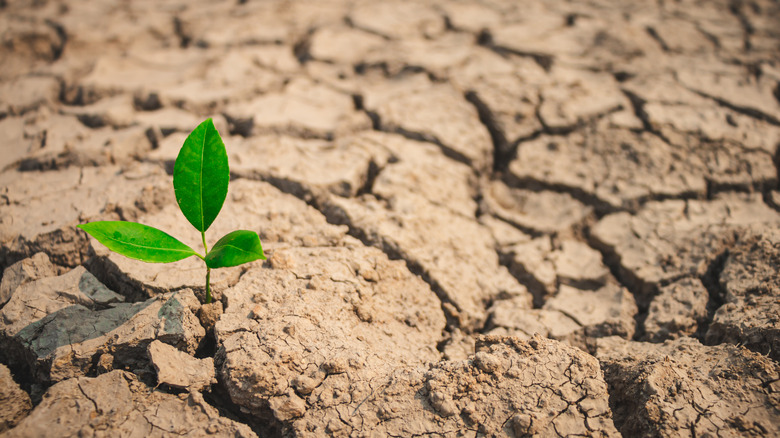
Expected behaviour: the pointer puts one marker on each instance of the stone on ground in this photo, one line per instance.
(57, 327)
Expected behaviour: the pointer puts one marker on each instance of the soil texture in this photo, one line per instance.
(482, 218)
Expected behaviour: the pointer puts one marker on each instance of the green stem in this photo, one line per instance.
(208, 287)
(208, 270)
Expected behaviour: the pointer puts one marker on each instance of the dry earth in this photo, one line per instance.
(482, 217)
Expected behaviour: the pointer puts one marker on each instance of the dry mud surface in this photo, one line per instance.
(482, 218)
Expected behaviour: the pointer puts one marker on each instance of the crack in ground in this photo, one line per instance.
(319, 203)
(503, 151)
(638, 103)
(429, 138)
(745, 110)
(544, 60)
(735, 8)
(600, 207)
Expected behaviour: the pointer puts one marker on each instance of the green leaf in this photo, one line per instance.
(235, 248)
(201, 175)
(138, 241)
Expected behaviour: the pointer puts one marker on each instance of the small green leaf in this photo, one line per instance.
(201, 176)
(138, 241)
(235, 248)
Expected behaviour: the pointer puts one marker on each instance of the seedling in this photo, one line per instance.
(200, 181)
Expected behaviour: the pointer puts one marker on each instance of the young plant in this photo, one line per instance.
(200, 181)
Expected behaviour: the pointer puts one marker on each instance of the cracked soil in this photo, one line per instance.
(482, 218)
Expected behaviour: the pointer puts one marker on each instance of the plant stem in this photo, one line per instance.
(208, 270)
(208, 287)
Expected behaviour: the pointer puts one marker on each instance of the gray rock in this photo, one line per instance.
(682, 386)
(34, 300)
(24, 271)
(678, 310)
(180, 370)
(509, 387)
(117, 404)
(15, 404)
(57, 325)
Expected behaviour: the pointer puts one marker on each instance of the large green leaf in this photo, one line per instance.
(235, 248)
(201, 175)
(138, 241)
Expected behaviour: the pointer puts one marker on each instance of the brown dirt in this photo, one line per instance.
(487, 218)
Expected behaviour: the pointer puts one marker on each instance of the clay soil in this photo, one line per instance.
(481, 217)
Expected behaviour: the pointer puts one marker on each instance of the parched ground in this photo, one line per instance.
(482, 218)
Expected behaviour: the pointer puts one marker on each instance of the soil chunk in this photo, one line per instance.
(180, 370)
(682, 386)
(750, 281)
(508, 388)
(15, 404)
(117, 404)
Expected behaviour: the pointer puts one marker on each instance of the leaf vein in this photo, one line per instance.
(159, 248)
(200, 181)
